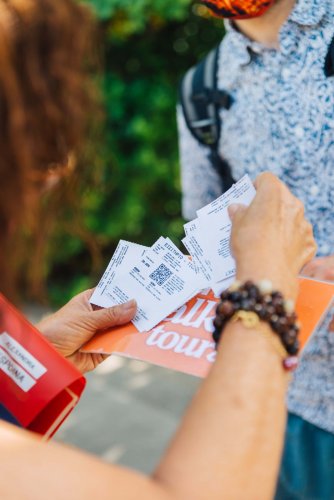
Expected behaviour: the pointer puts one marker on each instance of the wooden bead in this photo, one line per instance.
(226, 308)
(268, 305)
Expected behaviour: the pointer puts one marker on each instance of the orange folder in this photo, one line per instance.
(183, 340)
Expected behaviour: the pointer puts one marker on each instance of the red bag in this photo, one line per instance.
(38, 386)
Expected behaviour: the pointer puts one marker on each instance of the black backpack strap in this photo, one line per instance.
(329, 61)
(201, 101)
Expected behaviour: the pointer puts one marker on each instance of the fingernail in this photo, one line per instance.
(232, 209)
(127, 306)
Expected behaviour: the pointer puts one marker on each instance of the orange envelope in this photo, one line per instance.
(183, 340)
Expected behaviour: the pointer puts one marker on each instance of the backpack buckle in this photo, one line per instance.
(214, 96)
(208, 122)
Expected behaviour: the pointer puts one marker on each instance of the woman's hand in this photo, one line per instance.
(76, 323)
(271, 239)
(321, 268)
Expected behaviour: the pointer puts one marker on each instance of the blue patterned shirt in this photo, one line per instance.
(282, 120)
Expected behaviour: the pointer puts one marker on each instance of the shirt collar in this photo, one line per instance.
(308, 12)
(241, 45)
(304, 13)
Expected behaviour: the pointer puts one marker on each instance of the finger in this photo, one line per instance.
(89, 292)
(273, 192)
(86, 362)
(324, 274)
(234, 209)
(320, 261)
(98, 358)
(82, 297)
(112, 316)
(264, 179)
(310, 267)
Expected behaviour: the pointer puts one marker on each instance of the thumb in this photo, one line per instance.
(310, 268)
(235, 209)
(113, 316)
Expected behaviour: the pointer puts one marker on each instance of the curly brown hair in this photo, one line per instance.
(44, 97)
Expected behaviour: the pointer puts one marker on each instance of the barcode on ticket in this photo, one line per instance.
(161, 274)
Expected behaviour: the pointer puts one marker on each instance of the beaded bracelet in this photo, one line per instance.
(253, 303)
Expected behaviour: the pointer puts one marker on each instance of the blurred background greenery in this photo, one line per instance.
(135, 193)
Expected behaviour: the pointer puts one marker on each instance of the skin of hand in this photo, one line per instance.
(230, 442)
(76, 323)
(271, 239)
(321, 268)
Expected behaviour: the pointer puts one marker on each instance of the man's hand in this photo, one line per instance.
(321, 268)
(76, 323)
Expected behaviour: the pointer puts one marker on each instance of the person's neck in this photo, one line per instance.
(265, 29)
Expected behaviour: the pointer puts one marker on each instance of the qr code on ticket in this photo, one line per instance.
(161, 274)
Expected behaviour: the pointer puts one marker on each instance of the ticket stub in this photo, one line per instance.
(213, 229)
(216, 243)
(160, 281)
(125, 253)
(195, 247)
(161, 278)
(242, 192)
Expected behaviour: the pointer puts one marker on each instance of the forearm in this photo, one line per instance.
(228, 446)
(230, 442)
(54, 471)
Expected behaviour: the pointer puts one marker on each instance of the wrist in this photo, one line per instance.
(251, 304)
(261, 335)
(284, 281)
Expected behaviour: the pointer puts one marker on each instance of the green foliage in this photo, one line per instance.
(138, 13)
(147, 47)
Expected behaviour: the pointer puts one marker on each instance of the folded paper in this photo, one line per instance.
(38, 386)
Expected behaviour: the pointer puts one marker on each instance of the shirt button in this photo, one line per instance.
(314, 190)
(299, 132)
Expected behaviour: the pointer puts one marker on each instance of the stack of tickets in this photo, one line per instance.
(161, 278)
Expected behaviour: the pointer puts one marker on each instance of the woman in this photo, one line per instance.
(44, 96)
(230, 441)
